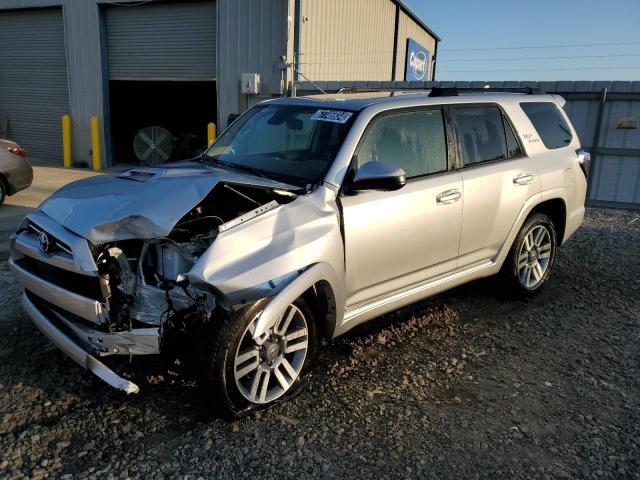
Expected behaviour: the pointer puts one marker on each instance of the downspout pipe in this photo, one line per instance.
(394, 58)
(297, 26)
(435, 60)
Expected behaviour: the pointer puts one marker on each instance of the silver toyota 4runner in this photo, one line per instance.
(307, 217)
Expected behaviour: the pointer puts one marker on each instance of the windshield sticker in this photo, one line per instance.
(335, 116)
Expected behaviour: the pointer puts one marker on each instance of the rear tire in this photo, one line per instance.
(3, 191)
(241, 375)
(531, 258)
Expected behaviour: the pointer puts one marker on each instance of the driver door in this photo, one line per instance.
(396, 239)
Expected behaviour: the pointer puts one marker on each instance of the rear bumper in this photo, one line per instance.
(574, 220)
(73, 350)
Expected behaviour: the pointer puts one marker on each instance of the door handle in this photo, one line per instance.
(448, 196)
(523, 179)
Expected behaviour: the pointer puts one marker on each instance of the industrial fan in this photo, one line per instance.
(153, 145)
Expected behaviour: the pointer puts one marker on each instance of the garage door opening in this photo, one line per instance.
(181, 109)
(161, 59)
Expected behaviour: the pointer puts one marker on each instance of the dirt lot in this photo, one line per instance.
(466, 385)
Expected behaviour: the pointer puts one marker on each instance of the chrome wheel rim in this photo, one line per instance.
(265, 368)
(534, 256)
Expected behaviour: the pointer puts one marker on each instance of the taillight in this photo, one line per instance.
(18, 151)
(584, 160)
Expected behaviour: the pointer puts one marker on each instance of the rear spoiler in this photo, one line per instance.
(560, 99)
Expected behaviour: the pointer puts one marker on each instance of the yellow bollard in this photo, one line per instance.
(95, 143)
(66, 140)
(211, 133)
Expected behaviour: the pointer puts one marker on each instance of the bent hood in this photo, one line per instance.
(142, 203)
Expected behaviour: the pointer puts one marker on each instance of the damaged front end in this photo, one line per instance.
(123, 295)
(147, 283)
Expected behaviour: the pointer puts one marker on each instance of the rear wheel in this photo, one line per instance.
(3, 191)
(532, 256)
(243, 374)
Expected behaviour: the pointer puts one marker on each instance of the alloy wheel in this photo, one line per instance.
(265, 368)
(534, 256)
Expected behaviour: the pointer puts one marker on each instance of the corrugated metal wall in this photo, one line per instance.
(168, 41)
(347, 40)
(252, 36)
(615, 173)
(34, 89)
(84, 66)
(407, 28)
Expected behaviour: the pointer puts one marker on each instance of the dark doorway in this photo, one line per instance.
(183, 108)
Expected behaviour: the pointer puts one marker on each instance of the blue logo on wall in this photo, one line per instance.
(417, 66)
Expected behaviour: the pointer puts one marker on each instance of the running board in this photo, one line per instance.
(381, 305)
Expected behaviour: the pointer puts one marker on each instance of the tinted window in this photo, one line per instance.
(482, 134)
(513, 147)
(414, 141)
(549, 123)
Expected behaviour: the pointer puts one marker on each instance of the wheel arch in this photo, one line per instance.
(553, 205)
(556, 209)
(5, 184)
(322, 300)
(319, 284)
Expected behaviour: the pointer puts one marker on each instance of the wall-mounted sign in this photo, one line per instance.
(627, 123)
(417, 64)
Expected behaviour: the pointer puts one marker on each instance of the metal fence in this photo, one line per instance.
(605, 115)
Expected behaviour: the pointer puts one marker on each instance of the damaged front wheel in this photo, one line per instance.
(250, 374)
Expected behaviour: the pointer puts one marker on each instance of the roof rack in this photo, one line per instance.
(455, 91)
(349, 90)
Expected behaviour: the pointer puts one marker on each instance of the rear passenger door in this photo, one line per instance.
(397, 239)
(498, 179)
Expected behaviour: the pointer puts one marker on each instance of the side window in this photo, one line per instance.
(483, 134)
(513, 147)
(414, 141)
(549, 123)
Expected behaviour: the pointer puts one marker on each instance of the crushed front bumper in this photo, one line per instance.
(63, 297)
(78, 354)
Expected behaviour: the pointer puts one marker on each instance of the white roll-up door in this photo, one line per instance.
(167, 41)
(34, 90)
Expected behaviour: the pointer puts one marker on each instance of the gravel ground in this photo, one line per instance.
(465, 385)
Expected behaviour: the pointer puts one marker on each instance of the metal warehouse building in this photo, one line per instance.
(182, 64)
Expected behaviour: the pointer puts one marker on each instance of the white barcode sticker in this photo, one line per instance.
(335, 116)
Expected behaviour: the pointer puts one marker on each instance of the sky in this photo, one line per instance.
(574, 40)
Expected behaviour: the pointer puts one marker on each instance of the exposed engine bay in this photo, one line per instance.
(144, 281)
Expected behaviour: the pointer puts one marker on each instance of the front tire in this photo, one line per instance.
(531, 257)
(243, 375)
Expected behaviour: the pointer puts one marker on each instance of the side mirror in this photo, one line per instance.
(378, 176)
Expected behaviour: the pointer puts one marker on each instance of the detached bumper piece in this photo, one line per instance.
(73, 350)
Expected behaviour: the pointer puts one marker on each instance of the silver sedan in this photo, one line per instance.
(15, 170)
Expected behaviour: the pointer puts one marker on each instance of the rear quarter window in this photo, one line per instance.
(549, 122)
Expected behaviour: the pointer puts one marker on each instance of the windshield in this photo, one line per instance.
(292, 143)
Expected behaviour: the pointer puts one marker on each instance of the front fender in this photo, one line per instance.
(284, 249)
(318, 272)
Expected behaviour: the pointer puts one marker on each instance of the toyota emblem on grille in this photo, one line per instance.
(44, 243)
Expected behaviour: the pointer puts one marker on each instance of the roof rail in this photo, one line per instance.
(455, 91)
(349, 90)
